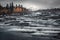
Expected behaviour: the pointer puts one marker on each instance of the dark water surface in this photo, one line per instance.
(29, 27)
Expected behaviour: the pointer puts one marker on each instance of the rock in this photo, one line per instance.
(12, 22)
(2, 20)
(10, 18)
(24, 24)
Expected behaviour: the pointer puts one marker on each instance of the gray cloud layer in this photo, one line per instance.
(42, 3)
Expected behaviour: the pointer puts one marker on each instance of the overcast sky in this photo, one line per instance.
(35, 4)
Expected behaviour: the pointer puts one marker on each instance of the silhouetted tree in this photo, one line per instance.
(16, 5)
(0, 6)
(11, 7)
(7, 6)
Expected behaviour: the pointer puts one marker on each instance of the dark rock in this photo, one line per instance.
(13, 22)
(2, 20)
(10, 18)
(24, 24)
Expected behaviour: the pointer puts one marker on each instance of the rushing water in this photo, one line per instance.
(30, 25)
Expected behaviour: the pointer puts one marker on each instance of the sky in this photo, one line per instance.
(34, 4)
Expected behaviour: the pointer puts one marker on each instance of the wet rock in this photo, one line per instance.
(13, 22)
(1, 16)
(33, 25)
(39, 29)
(10, 18)
(2, 20)
(19, 24)
(24, 24)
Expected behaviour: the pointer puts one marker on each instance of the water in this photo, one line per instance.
(29, 26)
